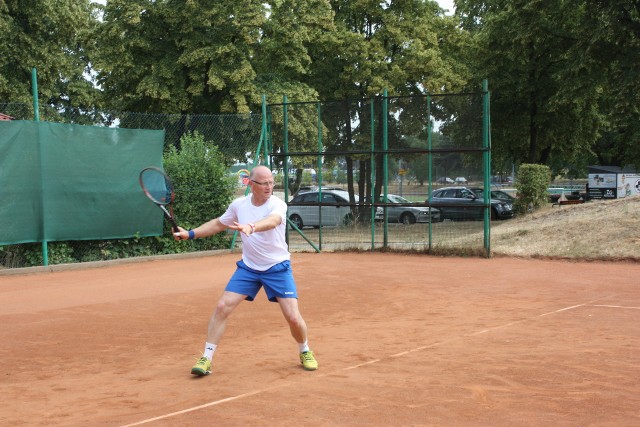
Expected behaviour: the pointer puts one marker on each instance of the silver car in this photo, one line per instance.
(406, 214)
(334, 211)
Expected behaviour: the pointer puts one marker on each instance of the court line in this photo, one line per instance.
(371, 362)
(616, 306)
(206, 405)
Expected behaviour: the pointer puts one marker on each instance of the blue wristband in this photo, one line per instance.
(192, 234)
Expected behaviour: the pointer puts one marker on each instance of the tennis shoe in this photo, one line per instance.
(203, 367)
(308, 361)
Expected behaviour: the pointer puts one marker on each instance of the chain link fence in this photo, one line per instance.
(369, 150)
(374, 164)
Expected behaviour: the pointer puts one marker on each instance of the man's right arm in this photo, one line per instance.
(207, 229)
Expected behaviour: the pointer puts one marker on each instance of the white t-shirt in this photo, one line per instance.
(263, 250)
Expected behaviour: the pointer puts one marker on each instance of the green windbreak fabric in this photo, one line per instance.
(69, 182)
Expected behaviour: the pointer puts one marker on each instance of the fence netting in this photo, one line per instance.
(374, 152)
(367, 149)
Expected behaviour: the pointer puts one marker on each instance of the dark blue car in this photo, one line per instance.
(460, 203)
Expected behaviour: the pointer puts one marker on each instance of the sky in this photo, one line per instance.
(447, 4)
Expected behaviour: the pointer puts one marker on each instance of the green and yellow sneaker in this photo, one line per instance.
(203, 367)
(308, 361)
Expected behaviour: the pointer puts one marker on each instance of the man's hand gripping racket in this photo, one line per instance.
(159, 189)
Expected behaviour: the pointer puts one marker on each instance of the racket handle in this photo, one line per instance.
(172, 220)
(174, 225)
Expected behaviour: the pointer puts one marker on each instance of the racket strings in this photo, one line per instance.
(157, 187)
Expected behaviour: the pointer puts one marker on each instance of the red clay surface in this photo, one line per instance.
(402, 340)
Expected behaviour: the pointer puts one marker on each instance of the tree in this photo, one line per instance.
(563, 77)
(394, 45)
(612, 43)
(179, 57)
(53, 37)
(527, 49)
(283, 62)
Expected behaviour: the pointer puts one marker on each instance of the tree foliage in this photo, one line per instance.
(612, 42)
(179, 57)
(563, 74)
(547, 63)
(54, 37)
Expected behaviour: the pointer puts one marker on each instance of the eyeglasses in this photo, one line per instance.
(265, 184)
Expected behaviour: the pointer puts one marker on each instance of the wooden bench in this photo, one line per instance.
(568, 202)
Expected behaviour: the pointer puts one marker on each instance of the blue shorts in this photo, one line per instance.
(277, 281)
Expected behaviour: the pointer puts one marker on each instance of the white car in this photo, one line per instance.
(461, 180)
(444, 180)
(335, 209)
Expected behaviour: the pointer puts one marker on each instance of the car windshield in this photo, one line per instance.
(495, 194)
(396, 199)
(499, 195)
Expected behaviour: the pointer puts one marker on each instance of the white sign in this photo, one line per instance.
(628, 185)
(602, 180)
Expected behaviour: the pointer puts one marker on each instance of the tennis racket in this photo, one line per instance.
(159, 188)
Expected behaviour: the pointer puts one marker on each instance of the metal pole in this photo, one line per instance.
(373, 176)
(319, 166)
(486, 144)
(36, 117)
(429, 165)
(263, 132)
(385, 161)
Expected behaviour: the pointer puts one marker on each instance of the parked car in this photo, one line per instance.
(468, 205)
(461, 180)
(495, 194)
(501, 180)
(335, 211)
(308, 188)
(444, 180)
(405, 214)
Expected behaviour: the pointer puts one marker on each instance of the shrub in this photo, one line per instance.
(203, 189)
(532, 184)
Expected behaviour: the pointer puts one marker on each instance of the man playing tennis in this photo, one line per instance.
(261, 219)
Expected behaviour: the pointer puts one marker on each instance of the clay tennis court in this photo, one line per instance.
(402, 340)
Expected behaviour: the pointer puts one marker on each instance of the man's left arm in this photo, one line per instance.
(269, 222)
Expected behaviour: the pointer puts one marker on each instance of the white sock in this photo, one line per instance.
(208, 350)
(303, 346)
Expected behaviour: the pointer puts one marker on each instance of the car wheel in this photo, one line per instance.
(407, 218)
(494, 215)
(297, 221)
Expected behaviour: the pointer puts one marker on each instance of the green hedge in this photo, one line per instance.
(532, 184)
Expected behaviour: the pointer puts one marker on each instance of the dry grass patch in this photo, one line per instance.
(602, 230)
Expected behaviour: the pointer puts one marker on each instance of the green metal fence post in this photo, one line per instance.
(373, 175)
(285, 141)
(36, 117)
(319, 166)
(429, 166)
(486, 144)
(385, 160)
(263, 132)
